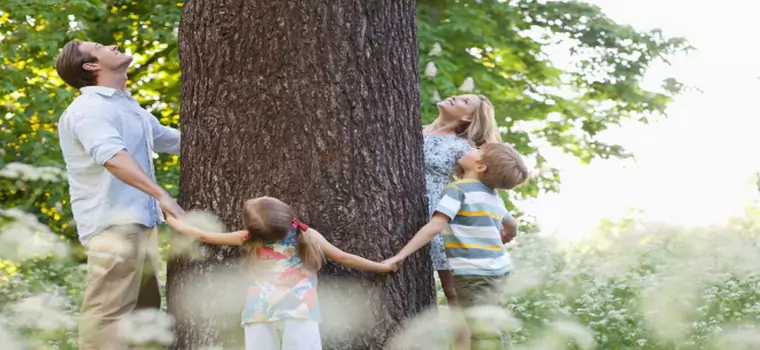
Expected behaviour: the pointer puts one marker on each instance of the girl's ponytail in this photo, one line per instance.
(309, 252)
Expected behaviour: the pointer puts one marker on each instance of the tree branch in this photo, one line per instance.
(144, 66)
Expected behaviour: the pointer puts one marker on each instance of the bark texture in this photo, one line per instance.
(315, 103)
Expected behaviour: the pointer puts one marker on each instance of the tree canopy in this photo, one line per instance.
(496, 48)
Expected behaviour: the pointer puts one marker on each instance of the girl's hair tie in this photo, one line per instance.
(299, 225)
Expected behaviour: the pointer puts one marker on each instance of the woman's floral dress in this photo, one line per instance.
(441, 155)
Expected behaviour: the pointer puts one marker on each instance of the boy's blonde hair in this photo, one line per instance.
(269, 219)
(505, 168)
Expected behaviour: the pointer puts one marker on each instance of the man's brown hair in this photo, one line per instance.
(505, 168)
(69, 66)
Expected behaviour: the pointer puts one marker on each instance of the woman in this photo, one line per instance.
(462, 121)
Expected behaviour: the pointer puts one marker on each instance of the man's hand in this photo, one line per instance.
(175, 223)
(170, 207)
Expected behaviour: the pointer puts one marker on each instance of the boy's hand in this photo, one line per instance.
(504, 236)
(508, 230)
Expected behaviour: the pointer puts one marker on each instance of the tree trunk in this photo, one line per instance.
(316, 104)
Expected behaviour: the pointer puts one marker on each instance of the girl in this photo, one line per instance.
(282, 311)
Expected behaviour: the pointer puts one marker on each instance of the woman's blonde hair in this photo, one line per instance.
(483, 127)
(269, 219)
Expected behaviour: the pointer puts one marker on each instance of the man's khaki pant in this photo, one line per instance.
(122, 275)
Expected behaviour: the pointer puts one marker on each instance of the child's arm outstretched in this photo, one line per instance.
(334, 253)
(230, 238)
(436, 224)
(447, 209)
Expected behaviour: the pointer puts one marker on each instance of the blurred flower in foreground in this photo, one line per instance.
(188, 248)
(25, 238)
(744, 337)
(44, 312)
(491, 320)
(9, 340)
(431, 329)
(347, 308)
(147, 326)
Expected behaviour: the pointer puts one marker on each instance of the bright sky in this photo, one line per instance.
(696, 166)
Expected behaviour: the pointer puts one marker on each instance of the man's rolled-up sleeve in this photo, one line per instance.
(98, 134)
(165, 139)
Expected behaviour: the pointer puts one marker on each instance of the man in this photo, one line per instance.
(107, 141)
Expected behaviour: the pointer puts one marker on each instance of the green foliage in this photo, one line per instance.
(500, 45)
(503, 47)
(32, 97)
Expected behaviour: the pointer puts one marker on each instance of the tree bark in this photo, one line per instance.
(316, 104)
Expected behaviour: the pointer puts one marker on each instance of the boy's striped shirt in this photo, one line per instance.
(472, 240)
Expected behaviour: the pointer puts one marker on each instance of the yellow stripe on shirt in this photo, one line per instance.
(454, 186)
(466, 181)
(479, 213)
(473, 246)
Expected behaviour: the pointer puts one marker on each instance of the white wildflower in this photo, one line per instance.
(431, 70)
(26, 172)
(468, 85)
(436, 50)
(436, 96)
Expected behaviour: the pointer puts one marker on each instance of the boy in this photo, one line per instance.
(473, 220)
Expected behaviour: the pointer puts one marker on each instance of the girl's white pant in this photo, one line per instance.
(283, 335)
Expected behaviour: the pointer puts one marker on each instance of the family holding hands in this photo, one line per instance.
(108, 141)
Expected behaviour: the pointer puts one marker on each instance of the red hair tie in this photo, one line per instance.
(299, 225)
